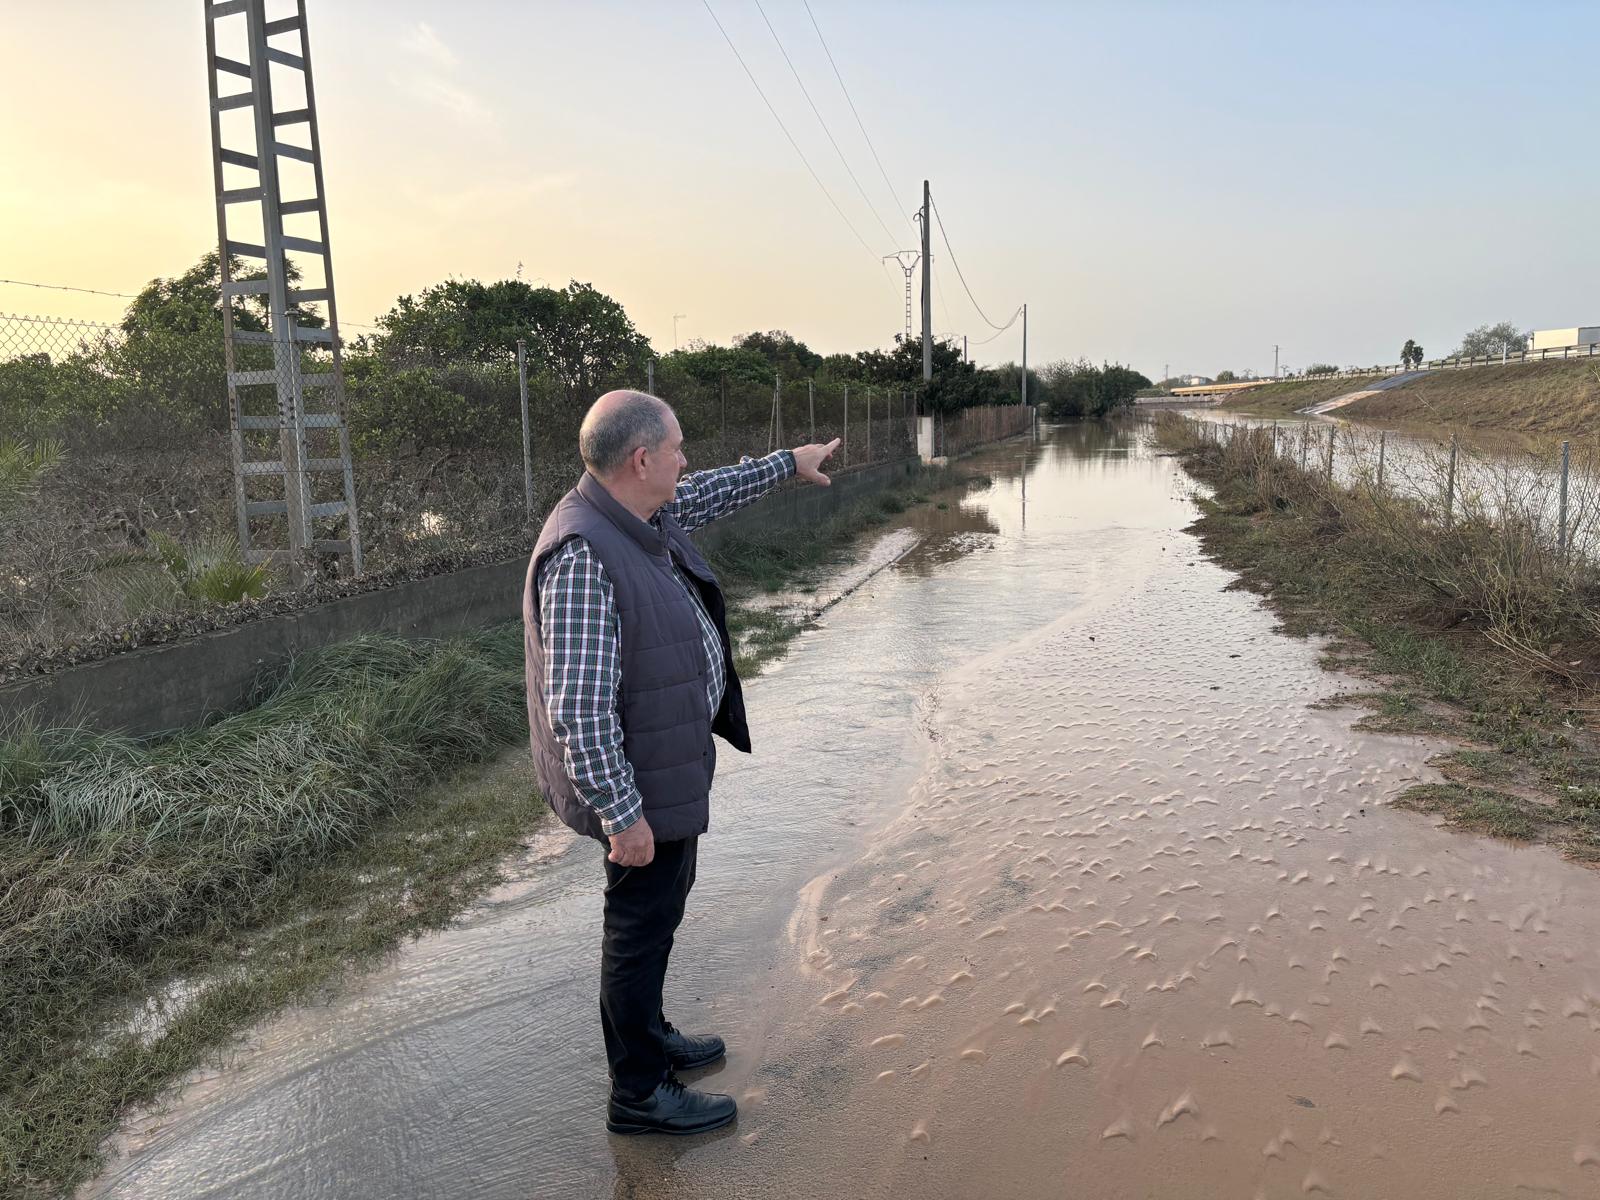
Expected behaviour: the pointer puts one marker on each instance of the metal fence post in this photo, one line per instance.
(1383, 445)
(1561, 536)
(811, 405)
(869, 423)
(1332, 432)
(845, 439)
(722, 381)
(527, 429)
(650, 377)
(1450, 486)
(777, 414)
(1305, 443)
(1274, 441)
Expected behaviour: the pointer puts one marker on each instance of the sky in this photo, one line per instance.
(1177, 185)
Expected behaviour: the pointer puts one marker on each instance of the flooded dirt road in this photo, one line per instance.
(1046, 881)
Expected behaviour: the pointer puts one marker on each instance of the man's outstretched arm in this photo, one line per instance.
(703, 496)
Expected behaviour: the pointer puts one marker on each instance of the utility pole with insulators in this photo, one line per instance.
(1274, 362)
(927, 290)
(907, 261)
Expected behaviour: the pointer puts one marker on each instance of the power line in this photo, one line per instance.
(61, 287)
(844, 162)
(859, 123)
(817, 178)
(938, 287)
(946, 239)
(999, 329)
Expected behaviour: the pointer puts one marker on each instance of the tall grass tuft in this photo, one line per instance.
(108, 845)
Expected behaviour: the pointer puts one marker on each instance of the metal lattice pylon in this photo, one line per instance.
(299, 397)
(907, 261)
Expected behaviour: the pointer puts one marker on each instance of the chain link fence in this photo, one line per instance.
(1545, 494)
(120, 498)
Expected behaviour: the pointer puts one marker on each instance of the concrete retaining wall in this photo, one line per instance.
(171, 686)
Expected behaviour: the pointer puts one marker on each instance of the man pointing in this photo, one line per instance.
(629, 673)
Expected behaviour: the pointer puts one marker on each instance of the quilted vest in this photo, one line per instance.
(666, 720)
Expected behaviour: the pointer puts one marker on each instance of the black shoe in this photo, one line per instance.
(671, 1108)
(686, 1052)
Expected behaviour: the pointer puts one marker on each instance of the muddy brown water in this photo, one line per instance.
(1046, 881)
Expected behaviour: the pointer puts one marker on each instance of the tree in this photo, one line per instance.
(1410, 354)
(1226, 377)
(1491, 341)
(791, 358)
(1322, 369)
(581, 335)
(170, 358)
(1081, 389)
(191, 303)
(587, 340)
(711, 365)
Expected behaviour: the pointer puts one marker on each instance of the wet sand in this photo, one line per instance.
(1046, 881)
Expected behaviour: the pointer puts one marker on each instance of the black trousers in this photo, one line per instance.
(643, 908)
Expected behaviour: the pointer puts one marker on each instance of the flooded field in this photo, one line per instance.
(1046, 880)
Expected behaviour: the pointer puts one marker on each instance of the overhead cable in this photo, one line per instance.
(844, 162)
(61, 287)
(859, 123)
(815, 177)
(999, 330)
(946, 239)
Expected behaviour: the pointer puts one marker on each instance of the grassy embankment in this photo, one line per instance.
(156, 899)
(1555, 398)
(1289, 397)
(1478, 632)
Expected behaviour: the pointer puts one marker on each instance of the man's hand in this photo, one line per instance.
(635, 846)
(807, 460)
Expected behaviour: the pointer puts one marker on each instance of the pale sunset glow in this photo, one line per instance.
(1162, 183)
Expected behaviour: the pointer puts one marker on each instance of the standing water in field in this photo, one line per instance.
(1046, 879)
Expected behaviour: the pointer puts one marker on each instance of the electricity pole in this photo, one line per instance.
(927, 291)
(676, 317)
(1024, 353)
(1274, 362)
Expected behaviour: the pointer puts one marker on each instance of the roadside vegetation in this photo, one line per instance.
(1479, 631)
(117, 513)
(158, 898)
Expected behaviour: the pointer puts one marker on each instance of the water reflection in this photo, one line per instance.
(946, 531)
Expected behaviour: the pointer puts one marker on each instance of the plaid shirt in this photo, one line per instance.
(583, 650)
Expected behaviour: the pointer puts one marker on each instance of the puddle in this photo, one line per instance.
(1044, 880)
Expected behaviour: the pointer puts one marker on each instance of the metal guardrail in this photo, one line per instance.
(1548, 354)
(1580, 350)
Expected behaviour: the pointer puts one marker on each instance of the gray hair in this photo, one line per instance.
(618, 424)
